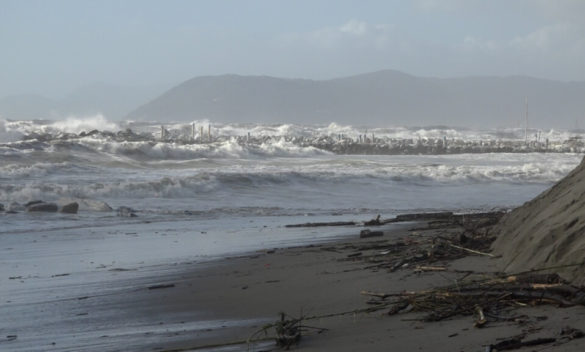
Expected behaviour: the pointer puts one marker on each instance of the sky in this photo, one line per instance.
(52, 47)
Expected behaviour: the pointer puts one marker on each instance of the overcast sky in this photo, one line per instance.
(52, 47)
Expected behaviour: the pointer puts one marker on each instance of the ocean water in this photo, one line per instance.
(241, 192)
(196, 202)
(231, 182)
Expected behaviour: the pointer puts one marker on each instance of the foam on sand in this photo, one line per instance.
(548, 231)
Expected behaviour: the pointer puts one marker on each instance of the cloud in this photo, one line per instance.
(557, 37)
(551, 50)
(549, 39)
(353, 33)
(554, 51)
(354, 27)
(472, 43)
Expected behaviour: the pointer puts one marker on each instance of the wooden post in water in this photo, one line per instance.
(162, 132)
(201, 134)
(209, 133)
(193, 132)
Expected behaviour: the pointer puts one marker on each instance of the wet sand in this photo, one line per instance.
(191, 306)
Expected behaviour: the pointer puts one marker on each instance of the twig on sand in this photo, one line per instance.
(472, 251)
(289, 331)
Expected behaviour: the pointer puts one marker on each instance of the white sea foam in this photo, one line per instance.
(72, 124)
(80, 124)
(271, 171)
(321, 172)
(16, 129)
(7, 134)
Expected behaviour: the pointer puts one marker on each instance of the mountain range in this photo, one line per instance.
(382, 98)
(379, 98)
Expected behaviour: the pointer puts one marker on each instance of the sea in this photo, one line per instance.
(202, 191)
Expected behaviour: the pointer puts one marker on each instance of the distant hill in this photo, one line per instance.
(378, 98)
(110, 100)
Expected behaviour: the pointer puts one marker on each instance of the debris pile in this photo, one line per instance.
(459, 236)
(489, 299)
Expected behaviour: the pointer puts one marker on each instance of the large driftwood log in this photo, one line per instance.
(322, 224)
(473, 220)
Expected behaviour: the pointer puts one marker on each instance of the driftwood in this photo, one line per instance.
(424, 216)
(422, 253)
(323, 224)
(472, 221)
(516, 343)
(471, 250)
(423, 268)
(484, 298)
(368, 233)
(566, 334)
(374, 222)
(376, 294)
(481, 320)
(288, 331)
(157, 287)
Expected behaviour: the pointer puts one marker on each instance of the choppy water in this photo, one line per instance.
(167, 180)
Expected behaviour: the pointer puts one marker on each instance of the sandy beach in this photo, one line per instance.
(218, 305)
(321, 280)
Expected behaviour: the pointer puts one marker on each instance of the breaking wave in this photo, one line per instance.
(78, 125)
(53, 181)
(95, 160)
(200, 128)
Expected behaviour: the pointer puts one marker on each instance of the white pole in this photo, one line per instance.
(526, 120)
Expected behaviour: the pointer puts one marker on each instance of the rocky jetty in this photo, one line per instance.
(365, 144)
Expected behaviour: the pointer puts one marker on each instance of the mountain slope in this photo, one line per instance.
(380, 98)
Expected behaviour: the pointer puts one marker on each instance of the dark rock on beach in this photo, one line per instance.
(43, 207)
(70, 208)
(126, 212)
(368, 233)
(32, 202)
